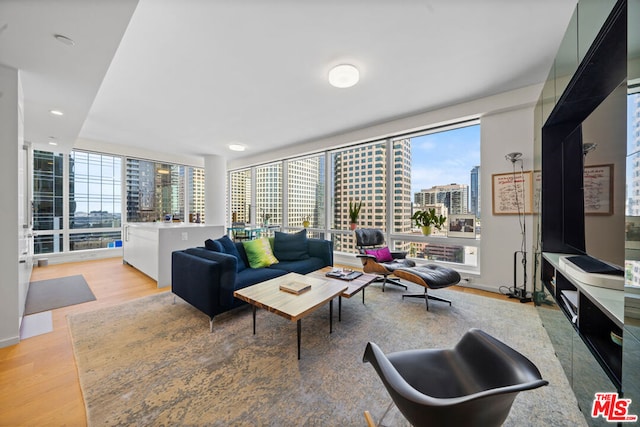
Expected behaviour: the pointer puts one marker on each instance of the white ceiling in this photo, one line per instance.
(192, 76)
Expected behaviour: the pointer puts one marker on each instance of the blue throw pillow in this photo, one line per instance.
(229, 248)
(291, 247)
(213, 245)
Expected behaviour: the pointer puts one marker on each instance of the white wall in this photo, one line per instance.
(503, 133)
(9, 132)
(506, 126)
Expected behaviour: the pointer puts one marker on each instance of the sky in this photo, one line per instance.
(444, 158)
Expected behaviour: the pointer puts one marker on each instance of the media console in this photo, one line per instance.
(586, 329)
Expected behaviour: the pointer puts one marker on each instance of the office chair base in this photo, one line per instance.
(426, 297)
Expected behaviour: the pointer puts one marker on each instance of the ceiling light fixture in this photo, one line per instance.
(343, 76)
(64, 39)
(56, 112)
(53, 143)
(237, 147)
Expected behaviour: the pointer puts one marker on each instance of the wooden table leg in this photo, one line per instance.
(299, 327)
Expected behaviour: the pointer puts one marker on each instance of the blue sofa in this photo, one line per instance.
(207, 278)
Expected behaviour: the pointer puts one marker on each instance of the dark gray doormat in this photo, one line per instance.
(45, 295)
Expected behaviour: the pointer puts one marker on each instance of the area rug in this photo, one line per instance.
(153, 362)
(45, 295)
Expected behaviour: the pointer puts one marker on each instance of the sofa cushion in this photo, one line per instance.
(251, 276)
(259, 253)
(304, 266)
(213, 245)
(382, 254)
(230, 249)
(291, 246)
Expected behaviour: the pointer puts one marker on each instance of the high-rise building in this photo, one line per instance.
(359, 175)
(196, 193)
(474, 195)
(240, 202)
(453, 196)
(305, 185)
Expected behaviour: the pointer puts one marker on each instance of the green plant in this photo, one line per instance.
(354, 211)
(428, 218)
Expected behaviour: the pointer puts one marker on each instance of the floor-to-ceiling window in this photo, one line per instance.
(392, 178)
(95, 200)
(88, 213)
(438, 169)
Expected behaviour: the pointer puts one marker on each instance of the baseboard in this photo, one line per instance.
(9, 341)
(76, 256)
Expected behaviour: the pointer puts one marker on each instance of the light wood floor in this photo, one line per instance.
(38, 378)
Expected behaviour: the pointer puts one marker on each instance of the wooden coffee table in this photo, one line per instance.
(294, 307)
(353, 286)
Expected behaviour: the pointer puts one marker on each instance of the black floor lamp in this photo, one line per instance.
(519, 293)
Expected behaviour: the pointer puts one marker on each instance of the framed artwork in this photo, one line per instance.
(462, 226)
(512, 193)
(598, 190)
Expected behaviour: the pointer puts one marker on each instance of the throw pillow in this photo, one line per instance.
(259, 253)
(291, 247)
(229, 248)
(213, 245)
(382, 254)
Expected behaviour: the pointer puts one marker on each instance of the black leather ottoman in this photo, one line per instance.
(430, 276)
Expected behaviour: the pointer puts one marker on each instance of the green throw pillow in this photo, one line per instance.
(259, 253)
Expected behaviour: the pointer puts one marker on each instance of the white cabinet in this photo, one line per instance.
(148, 246)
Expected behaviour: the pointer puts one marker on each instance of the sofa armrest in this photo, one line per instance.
(322, 249)
(198, 273)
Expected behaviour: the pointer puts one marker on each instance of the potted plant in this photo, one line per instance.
(354, 211)
(426, 219)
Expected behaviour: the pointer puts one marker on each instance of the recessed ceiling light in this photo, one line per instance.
(64, 39)
(237, 147)
(343, 76)
(53, 143)
(56, 112)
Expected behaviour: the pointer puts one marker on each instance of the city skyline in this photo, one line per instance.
(444, 158)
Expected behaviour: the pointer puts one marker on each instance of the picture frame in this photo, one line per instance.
(598, 189)
(509, 198)
(461, 226)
